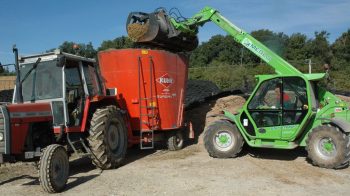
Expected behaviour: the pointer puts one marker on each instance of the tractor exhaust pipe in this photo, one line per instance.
(155, 29)
(19, 96)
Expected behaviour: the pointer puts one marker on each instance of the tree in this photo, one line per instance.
(296, 47)
(2, 70)
(219, 48)
(85, 50)
(117, 43)
(319, 48)
(341, 51)
(274, 41)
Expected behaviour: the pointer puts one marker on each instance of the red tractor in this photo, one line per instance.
(63, 105)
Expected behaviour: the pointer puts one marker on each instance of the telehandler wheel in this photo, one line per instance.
(108, 138)
(175, 140)
(328, 147)
(53, 168)
(223, 140)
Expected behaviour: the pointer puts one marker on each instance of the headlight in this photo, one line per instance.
(1, 137)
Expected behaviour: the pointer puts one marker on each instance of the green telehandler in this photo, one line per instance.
(286, 110)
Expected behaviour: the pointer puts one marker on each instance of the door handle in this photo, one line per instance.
(262, 130)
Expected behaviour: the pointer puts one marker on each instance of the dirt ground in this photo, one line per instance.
(190, 171)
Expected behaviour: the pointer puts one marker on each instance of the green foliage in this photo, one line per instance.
(117, 43)
(220, 58)
(341, 51)
(219, 48)
(4, 71)
(296, 48)
(85, 50)
(319, 48)
(229, 76)
(229, 65)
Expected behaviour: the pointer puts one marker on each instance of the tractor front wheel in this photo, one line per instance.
(328, 147)
(108, 138)
(223, 140)
(53, 168)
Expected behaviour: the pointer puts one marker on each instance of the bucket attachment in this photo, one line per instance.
(155, 29)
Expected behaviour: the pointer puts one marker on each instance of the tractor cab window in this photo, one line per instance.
(91, 79)
(41, 82)
(74, 93)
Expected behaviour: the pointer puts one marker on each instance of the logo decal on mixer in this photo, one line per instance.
(165, 80)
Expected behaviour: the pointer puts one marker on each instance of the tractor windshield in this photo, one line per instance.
(43, 82)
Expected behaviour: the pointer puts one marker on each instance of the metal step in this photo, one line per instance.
(146, 144)
(149, 115)
(149, 107)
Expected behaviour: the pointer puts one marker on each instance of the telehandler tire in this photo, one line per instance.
(223, 140)
(53, 168)
(175, 140)
(328, 147)
(108, 138)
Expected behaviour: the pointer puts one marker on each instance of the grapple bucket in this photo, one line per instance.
(155, 29)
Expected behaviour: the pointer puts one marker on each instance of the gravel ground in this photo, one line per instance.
(190, 171)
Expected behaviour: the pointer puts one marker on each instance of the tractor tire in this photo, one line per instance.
(175, 141)
(53, 168)
(223, 140)
(108, 138)
(328, 147)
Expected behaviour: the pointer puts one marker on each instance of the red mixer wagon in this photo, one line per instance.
(150, 85)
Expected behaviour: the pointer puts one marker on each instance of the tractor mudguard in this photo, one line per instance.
(341, 123)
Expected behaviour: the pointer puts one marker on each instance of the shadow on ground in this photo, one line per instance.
(274, 154)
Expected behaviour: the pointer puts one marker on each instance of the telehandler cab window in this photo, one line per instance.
(265, 106)
(280, 101)
(295, 110)
(267, 96)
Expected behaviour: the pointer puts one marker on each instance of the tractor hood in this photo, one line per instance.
(30, 112)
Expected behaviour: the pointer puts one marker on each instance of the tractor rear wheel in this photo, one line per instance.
(175, 140)
(108, 138)
(223, 140)
(53, 168)
(328, 147)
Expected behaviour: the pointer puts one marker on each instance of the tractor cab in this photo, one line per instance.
(60, 79)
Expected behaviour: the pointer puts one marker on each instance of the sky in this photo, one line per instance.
(38, 25)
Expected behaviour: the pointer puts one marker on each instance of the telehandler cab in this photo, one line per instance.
(285, 110)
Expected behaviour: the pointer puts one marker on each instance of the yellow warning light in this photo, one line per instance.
(144, 51)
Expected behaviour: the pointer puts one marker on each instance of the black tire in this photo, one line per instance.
(175, 140)
(223, 130)
(108, 138)
(53, 168)
(328, 147)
